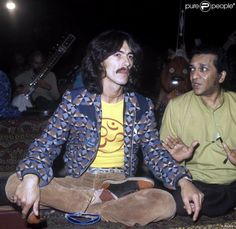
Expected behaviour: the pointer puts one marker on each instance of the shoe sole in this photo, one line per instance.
(142, 182)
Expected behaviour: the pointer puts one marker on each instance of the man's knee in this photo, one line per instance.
(11, 186)
(141, 208)
(163, 203)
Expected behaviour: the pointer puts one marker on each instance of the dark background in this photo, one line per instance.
(39, 24)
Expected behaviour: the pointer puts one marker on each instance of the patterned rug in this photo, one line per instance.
(15, 137)
(57, 221)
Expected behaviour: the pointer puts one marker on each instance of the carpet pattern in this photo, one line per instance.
(57, 221)
(15, 137)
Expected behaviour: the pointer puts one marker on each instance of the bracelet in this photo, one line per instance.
(82, 218)
(187, 178)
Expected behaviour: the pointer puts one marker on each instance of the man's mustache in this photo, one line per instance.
(123, 69)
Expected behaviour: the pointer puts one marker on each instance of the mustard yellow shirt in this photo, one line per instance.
(189, 118)
(111, 148)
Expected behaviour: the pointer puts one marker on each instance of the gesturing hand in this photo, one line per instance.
(231, 153)
(178, 149)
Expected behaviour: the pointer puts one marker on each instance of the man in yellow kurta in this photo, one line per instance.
(199, 129)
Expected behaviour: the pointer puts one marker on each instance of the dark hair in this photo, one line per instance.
(35, 54)
(100, 48)
(220, 61)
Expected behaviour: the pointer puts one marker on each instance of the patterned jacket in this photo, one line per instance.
(77, 122)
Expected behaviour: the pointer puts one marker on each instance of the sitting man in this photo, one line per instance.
(103, 126)
(46, 94)
(199, 129)
(6, 109)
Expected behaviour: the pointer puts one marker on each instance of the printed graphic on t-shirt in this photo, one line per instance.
(112, 136)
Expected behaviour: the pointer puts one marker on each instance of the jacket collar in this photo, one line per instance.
(87, 98)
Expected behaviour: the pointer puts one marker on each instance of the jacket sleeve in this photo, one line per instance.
(47, 147)
(159, 160)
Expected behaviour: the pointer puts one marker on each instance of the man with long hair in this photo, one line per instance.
(103, 126)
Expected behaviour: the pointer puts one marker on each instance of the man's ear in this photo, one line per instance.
(103, 69)
(222, 76)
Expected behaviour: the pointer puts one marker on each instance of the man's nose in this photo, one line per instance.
(127, 61)
(195, 74)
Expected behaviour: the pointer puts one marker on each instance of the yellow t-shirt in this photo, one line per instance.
(111, 148)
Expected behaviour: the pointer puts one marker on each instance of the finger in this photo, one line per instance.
(169, 139)
(170, 142)
(192, 207)
(196, 213)
(165, 145)
(187, 207)
(175, 142)
(13, 199)
(194, 144)
(197, 206)
(18, 202)
(25, 211)
(179, 140)
(168, 148)
(226, 148)
(36, 208)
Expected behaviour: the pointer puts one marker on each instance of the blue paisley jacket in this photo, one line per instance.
(77, 122)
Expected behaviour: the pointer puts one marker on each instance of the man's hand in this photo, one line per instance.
(21, 89)
(178, 150)
(27, 194)
(231, 153)
(44, 84)
(192, 198)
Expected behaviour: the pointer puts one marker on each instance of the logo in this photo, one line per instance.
(112, 136)
(206, 6)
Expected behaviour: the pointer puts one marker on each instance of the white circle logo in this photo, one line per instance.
(205, 6)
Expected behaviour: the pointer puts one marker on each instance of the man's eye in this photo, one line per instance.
(117, 54)
(171, 70)
(131, 57)
(204, 69)
(191, 69)
(185, 71)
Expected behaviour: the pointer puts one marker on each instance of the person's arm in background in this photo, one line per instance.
(50, 84)
(20, 82)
